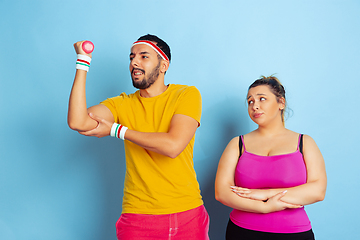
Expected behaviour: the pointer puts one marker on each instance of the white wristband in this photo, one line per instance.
(122, 132)
(83, 62)
(113, 129)
(118, 131)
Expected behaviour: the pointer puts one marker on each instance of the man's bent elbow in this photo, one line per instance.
(173, 154)
(173, 150)
(168, 152)
(73, 125)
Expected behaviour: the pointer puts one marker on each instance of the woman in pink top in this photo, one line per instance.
(268, 175)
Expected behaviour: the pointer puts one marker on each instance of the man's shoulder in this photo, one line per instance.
(118, 100)
(124, 95)
(183, 88)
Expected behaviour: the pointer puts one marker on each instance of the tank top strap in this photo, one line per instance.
(242, 140)
(300, 143)
(241, 145)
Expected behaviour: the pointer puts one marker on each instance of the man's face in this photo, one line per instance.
(144, 66)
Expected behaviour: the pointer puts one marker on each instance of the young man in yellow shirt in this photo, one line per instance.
(157, 123)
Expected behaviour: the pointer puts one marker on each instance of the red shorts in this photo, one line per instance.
(191, 224)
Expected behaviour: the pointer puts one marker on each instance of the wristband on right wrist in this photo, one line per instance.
(83, 62)
(118, 131)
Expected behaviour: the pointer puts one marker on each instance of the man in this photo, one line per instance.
(157, 123)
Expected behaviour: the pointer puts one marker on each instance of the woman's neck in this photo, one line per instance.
(272, 129)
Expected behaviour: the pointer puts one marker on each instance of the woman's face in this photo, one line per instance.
(263, 106)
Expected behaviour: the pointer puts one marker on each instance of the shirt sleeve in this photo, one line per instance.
(190, 104)
(113, 104)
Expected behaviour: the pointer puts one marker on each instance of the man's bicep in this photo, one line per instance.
(102, 111)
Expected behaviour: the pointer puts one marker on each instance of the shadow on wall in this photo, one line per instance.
(232, 120)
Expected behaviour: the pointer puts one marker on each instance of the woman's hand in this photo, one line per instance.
(272, 203)
(275, 204)
(255, 194)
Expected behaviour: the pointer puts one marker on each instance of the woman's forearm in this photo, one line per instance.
(304, 194)
(230, 199)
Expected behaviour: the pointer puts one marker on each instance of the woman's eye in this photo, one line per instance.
(250, 102)
(262, 99)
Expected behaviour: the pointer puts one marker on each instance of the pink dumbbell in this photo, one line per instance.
(88, 47)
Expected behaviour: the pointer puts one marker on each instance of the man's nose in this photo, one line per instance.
(135, 62)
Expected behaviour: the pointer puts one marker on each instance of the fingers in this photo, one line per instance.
(79, 50)
(288, 205)
(101, 120)
(243, 192)
(240, 189)
(90, 132)
(279, 195)
(95, 117)
(84, 133)
(87, 133)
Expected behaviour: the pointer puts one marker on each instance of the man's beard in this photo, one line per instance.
(147, 81)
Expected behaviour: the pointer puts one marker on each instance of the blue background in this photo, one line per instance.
(58, 184)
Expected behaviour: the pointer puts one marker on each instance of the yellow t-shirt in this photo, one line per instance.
(154, 183)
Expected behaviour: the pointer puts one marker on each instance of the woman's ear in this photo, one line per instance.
(281, 103)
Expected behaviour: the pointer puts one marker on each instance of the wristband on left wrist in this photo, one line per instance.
(118, 131)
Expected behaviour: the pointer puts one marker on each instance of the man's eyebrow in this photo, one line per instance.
(140, 53)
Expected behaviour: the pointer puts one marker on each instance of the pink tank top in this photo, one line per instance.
(262, 172)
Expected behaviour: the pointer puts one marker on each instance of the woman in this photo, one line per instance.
(269, 174)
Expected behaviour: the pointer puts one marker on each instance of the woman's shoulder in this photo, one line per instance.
(235, 139)
(305, 136)
(307, 139)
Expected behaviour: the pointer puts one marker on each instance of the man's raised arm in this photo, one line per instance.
(78, 118)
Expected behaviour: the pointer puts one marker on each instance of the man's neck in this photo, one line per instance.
(157, 88)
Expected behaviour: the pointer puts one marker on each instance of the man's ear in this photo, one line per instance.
(164, 66)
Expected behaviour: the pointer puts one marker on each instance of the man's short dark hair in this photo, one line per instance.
(159, 42)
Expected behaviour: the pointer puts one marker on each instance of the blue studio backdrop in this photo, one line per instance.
(58, 184)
